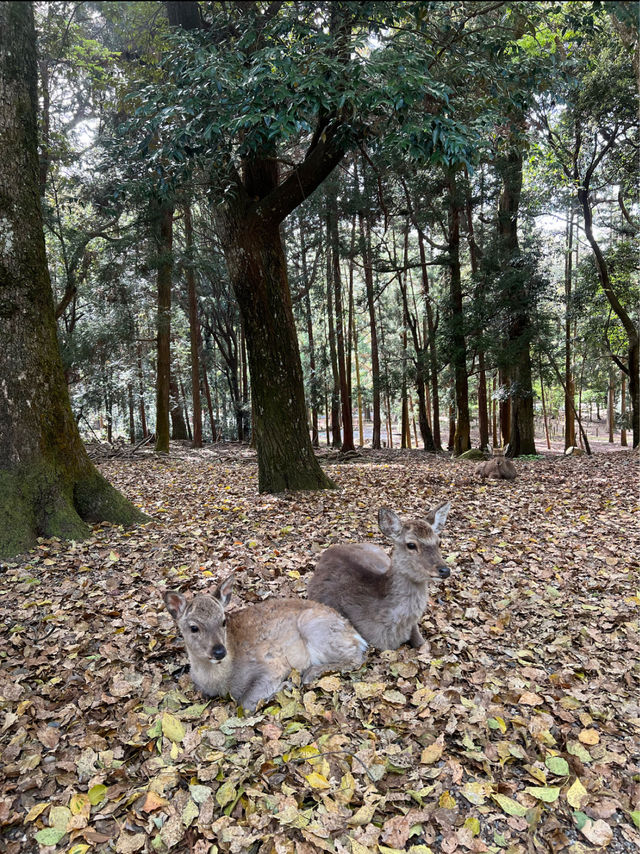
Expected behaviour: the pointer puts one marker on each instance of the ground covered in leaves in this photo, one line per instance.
(518, 733)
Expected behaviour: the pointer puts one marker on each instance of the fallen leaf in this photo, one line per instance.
(577, 795)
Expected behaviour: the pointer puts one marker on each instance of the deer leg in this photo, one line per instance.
(258, 689)
(415, 638)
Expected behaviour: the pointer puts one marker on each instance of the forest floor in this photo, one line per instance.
(518, 733)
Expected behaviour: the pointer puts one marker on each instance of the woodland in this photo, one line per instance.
(266, 267)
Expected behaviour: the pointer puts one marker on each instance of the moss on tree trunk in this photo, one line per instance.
(48, 485)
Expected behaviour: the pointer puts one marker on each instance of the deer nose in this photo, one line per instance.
(218, 652)
(444, 571)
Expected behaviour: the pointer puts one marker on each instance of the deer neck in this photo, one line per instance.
(212, 678)
(404, 577)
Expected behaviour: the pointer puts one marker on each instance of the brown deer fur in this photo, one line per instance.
(384, 596)
(250, 653)
(500, 468)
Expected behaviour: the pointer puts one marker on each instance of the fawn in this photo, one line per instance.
(384, 597)
(498, 467)
(250, 653)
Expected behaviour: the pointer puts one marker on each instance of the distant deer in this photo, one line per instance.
(498, 467)
(384, 597)
(250, 653)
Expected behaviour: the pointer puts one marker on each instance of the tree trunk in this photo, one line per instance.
(162, 232)
(494, 415)
(433, 355)
(207, 394)
(623, 411)
(569, 420)
(178, 424)
(365, 250)
(48, 485)
(185, 409)
(314, 399)
(143, 417)
(462, 437)
(345, 390)
(194, 325)
(354, 333)
(544, 411)
(336, 440)
(421, 357)
(633, 367)
(257, 267)
(521, 432)
(610, 405)
(505, 410)
(483, 413)
(132, 422)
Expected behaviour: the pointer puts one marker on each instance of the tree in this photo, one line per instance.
(296, 85)
(595, 141)
(48, 485)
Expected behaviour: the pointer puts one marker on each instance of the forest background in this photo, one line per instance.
(471, 261)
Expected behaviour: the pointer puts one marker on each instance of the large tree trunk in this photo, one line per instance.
(462, 436)
(48, 485)
(257, 266)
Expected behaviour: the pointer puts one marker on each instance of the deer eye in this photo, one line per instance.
(224, 623)
(194, 629)
(412, 547)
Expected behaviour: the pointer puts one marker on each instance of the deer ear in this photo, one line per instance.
(438, 516)
(176, 604)
(389, 523)
(223, 593)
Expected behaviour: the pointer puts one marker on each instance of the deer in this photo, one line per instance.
(250, 653)
(384, 596)
(498, 467)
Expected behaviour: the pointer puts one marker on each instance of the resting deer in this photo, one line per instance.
(250, 653)
(498, 467)
(384, 597)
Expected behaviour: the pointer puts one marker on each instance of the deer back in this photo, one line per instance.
(383, 596)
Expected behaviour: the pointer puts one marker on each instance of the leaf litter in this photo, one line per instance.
(517, 732)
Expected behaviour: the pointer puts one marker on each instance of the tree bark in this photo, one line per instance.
(345, 390)
(569, 420)
(314, 398)
(433, 354)
(194, 325)
(162, 233)
(143, 417)
(255, 258)
(365, 250)
(462, 436)
(336, 439)
(48, 485)
(421, 357)
(521, 431)
(178, 422)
